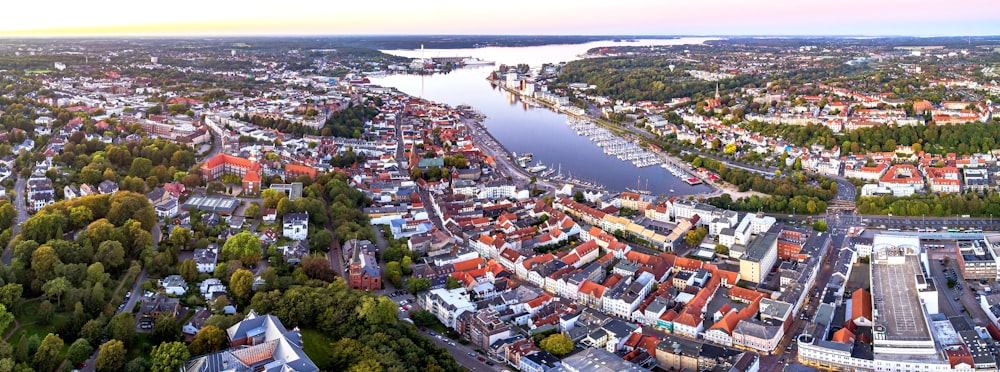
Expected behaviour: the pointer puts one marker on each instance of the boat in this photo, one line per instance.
(537, 168)
(476, 61)
(548, 172)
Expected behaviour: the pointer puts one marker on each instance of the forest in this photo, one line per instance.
(962, 139)
(796, 193)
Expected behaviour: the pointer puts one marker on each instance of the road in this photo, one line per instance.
(937, 223)
(22, 215)
(966, 296)
(461, 354)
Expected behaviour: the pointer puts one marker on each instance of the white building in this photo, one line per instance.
(447, 305)
(295, 225)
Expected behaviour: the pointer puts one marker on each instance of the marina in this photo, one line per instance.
(613, 145)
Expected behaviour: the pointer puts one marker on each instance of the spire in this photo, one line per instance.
(355, 255)
(717, 96)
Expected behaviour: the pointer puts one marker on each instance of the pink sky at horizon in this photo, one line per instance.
(586, 17)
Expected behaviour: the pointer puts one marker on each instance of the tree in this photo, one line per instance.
(110, 357)
(820, 225)
(110, 253)
(244, 247)
(208, 340)
(252, 211)
(140, 167)
(55, 288)
(423, 318)
(122, 328)
(241, 286)
(189, 270)
(44, 262)
(6, 318)
(180, 237)
(47, 356)
(417, 285)
(7, 215)
(169, 357)
(452, 283)
(394, 273)
(93, 330)
(578, 196)
(79, 351)
(721, 250)
(557, 344)
(730, 149)
(139, 364)
(166, 329)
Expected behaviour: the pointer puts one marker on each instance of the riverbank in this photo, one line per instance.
(627, 134)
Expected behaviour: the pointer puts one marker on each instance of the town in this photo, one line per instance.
(216, 198)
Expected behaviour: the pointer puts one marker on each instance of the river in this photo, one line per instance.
(538, 130)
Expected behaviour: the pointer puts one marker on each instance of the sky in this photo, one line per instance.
(510, 17)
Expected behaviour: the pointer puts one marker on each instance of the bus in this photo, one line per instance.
(954, 230)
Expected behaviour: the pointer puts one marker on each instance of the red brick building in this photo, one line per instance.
(221, 164)
(363, 272)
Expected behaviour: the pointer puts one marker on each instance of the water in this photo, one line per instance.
(538, 130)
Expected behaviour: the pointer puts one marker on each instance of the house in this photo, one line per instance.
(295, 225)
(207, 258)
(167, 208)
(174, 285)
(107, 187)
(154, 308)
(294, 252)
(195, 324)
(269, 215)
(258, 343)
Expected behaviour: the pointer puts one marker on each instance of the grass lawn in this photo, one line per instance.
(317, 347)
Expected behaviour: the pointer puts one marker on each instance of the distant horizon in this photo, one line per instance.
(198, 18)
(634, 36)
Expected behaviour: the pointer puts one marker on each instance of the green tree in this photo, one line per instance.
(166, 329)
(169, 357)
(47, 356)
(80, 216)
(452, 283)
(140, 167)
(241, 286)
(122, 328)
(44, 262)
(110, 357)
(417, 285)
(110, 253)
(819, 225)
(208, 340)
(79, 351)
(189, 270)
(557, 344)
(244, 247)
(394, 273)
(721, 250)
(252, 211)
(578, 196)
(10, 296)
(7, 215)
(180, 237)
(56, 288)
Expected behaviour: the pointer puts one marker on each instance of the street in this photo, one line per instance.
(22, 215)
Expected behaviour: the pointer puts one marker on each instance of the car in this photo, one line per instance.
(471, 353)
(423, 329)
(489, 363)
(956, 298)
(481, 359)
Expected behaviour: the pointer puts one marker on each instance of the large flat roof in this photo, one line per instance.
(894, 294)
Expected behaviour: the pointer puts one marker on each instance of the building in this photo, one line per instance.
(295, 226)
(677, 354)
(759, 257)
(976, 259)
(221, 164)
(363, 271)
(258, 343)
(174, 285)
(293, 190)
(596, 360)
(447, 304)
(206, 258)
(293, 171)
(483, 328)
(900, 325)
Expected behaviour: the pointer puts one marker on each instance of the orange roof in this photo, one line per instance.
(844, 336)
(298, 170)
(728, 322)
(467, 265)
(861, 304)
(592, 288)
